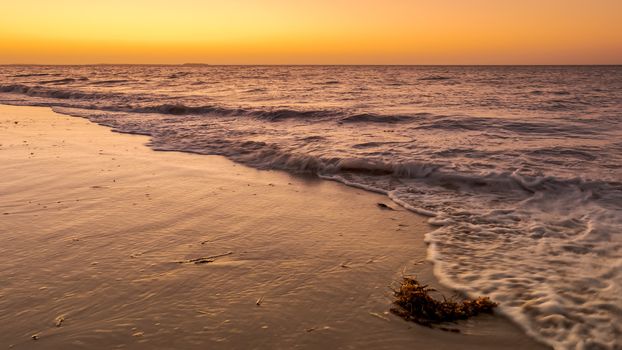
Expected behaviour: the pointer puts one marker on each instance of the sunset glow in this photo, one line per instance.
(312, 32)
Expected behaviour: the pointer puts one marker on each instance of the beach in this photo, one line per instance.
(106, 243)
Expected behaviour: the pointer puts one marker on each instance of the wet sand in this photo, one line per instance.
(98, 234)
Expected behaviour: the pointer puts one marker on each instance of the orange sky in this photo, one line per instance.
(311, 31)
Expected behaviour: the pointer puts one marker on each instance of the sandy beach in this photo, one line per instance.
(105, 244)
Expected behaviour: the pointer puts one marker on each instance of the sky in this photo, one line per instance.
(311, 31)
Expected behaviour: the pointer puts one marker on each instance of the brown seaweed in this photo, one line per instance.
(413, 302)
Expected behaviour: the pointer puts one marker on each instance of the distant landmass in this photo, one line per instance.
(195, 64)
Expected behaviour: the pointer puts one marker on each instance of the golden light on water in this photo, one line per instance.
(312, 32)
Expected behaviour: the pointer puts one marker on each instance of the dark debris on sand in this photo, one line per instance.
(413, 302)
(204, 260)
(384, 206)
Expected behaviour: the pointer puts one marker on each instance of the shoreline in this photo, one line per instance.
(96, 223)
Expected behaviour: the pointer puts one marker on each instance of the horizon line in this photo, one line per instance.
(317, 64)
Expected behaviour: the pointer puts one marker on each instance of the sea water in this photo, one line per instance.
(518, 168)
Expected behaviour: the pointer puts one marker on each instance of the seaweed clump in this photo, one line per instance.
(414, 303)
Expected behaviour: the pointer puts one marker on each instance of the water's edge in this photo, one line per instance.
(431, 250)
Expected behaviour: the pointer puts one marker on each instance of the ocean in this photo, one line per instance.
(519, 168)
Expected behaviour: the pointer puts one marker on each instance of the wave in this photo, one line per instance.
(267, 155)
(526, 126)
(107, 102)
(581, 154)
(375, 144)
(376, 118)
(256, 90)
(436, 77)
(132, 102)
(65, 94)
(282, 114)
(178, 75)
(267, 115)
(180, 109)
(28, 75)
(494, 181)
(109, 82)
(557, 92)
(62, 81)
(329, 82)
